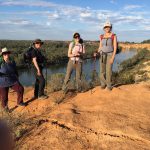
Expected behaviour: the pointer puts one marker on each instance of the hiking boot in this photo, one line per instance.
(43, 97)
(34, 98)
(22, 104)
(103, 86)
(6, 109)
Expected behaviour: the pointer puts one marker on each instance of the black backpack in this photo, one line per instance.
(28, 56)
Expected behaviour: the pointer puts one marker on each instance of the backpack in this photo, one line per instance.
(112, 37)
(27, 57)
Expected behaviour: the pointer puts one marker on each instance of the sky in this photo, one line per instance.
(59, 19)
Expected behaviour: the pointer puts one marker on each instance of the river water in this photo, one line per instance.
(27, 77)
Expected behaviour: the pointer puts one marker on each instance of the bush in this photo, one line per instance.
(55, 82)
(95, 80)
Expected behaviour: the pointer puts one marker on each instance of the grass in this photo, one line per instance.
(55, 82)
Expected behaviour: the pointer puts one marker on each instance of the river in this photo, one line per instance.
(27, 77)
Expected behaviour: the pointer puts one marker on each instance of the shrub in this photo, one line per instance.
(55, 82)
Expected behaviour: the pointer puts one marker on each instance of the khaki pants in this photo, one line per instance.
(105, 70)
(70, 67)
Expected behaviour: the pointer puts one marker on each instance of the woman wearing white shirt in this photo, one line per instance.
(75, 54)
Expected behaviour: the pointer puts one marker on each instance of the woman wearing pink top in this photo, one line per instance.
(75, 54)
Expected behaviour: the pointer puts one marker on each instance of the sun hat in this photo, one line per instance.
(107, 24)
(4, 50)
(38, 41)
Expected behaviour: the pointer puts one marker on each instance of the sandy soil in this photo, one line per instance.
(95, 120)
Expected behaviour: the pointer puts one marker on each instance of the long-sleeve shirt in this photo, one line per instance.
(8, 74)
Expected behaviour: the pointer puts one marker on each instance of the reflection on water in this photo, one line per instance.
(27, 77)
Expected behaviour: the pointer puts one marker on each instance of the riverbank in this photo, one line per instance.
(134, 70)
(96, 119)
(27, 78)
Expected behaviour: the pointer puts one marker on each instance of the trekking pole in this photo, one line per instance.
(45, 73)
(93, 70)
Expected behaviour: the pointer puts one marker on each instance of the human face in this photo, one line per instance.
(107, 29)
(37, 45)
(77, 38)
(6, 56)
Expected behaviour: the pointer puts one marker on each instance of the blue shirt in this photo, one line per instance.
(8, 74)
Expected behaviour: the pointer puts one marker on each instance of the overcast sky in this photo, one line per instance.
(59, 19)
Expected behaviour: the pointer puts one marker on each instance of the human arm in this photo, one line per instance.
(34, 60)
(98, 50)
(115, 49)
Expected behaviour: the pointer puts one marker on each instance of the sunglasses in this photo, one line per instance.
(76, 37)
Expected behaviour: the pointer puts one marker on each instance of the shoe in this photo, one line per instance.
(103, 86)
(34, 98)
(43, 97)
(22, 104)
(6, 109)
(109, 88)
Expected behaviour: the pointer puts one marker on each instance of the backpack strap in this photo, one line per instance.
(113, 36)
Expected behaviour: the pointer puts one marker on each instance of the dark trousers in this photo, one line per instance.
(39, 86)
(18, 88)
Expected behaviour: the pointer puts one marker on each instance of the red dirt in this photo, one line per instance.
(95, 120)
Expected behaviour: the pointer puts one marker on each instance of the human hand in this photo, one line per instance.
(111, 61)
(38, 73)
(95, 54)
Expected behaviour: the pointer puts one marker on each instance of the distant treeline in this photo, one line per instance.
(143, 42)
(55, 51)
(146, 41)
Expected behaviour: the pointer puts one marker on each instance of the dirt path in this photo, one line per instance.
(95, 120)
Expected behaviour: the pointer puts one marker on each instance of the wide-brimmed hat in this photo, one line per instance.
(4, 50)
(107, 24)
(38, 41)
(76, 34)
